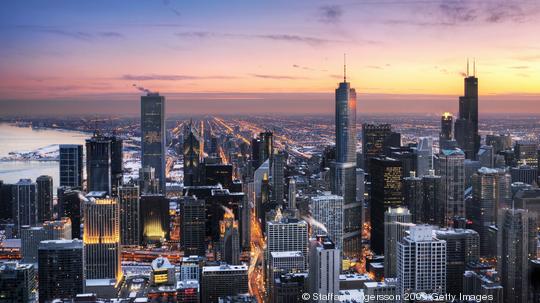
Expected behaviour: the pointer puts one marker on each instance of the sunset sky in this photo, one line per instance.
(265, 56)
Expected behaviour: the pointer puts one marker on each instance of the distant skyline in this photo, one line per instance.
(267, 57)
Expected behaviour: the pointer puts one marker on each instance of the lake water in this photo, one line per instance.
(20, 139)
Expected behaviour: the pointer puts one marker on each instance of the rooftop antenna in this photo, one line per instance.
(344, 67)
(467, 67)
(474, 67)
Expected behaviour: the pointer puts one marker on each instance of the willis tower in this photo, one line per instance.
(344, 168)
(466, 127)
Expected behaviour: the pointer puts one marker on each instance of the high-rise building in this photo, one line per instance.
(466, 126)
(229, 239)
(396, 223)
(153, 151)
(104, 163)
(433, 208)
(500, 142)
(70, 206)
(413, 197)
(24, 204)
(44, 198)
(524, 173)
(292, 194)
(223, 280)
(462, 247)
(148, 183)
(282, 263)
(128, 197)
(324, 268)
(386, 191)
(278, 177)
(451, 168)
(193, 229)
(483, 283)
(155, 219)
(71, 165)
(516, 245)
(6, 200)
(424, 156)
(117, 164)
(328, 210)
(486, 157)
(529, 199)
(344, 167)
(101, 237)
(373, 139)
(491, 191)
(61, 269)
(50, 230)
(192, 156)
(526, 153)
(421, 262)
(289, 288)
(447, 134)
(17, 282)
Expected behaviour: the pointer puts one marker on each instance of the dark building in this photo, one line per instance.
(277, 175)
(433, 209)
(45, 198)
(153, 135)
(262, 148)
(192, 156)
(462, 247)
(71, 165)
(288, 288)
(526, 153)
(128, 197)
(61, 267)
(192, 212)
(218, 173)
(466, 126)
(24, 203)
(223, 280)
(17, 282)
(100, 151)
(447, 134)
(524, 173)
(155, 220)
(386, 191)
(413, 197)
(6, 201)
(373, 140)
(117, 164)
(69, 205)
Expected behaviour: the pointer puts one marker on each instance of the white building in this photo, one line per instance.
(328, 210)
(324, 268)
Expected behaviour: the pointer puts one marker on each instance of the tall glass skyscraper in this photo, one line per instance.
(153, 135)
(466, 127)
(344, 168)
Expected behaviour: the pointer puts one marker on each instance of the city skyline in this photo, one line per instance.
(405, 56)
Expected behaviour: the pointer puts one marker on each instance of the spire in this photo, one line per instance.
(467, 67)
(344, 67)
(474, 67)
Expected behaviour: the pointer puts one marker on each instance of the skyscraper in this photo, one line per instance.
(24, 203)
(223, 280)
(229, 239)
(373, 141)
(99, 151)
(433, 209)
(278, 177)
(451, 168)
(32, 235)
(70, 205)
(193, 226)
(17, 282)
(491, 191)
(192, 156)
(292, 194)
(421, 262)
(447, 121)
(328, 210)
(61, 266)
(396, 222)
(526, 153)
(424, 156)
(282, 263)
(153, 135)
(466, 126)
(344, 168)
(44, 198)
(71, 165)
(155, 219)
(101, 237)
(324, 267)
(386, 191)
(516, 245)
(128, 197)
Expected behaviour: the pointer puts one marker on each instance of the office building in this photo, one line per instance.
(423, 156)
(491, 191)
(17, 282)
(61, 269)
(483, 283)
(193, 229)
(386, 191)
(128, 197)
(31, 236)
(516, 246)
(292, 194)
(277, 175)
(447, 133)
(289, 288)
(223, 280)
(451, 169)
(44, 198)
(328, 210)
(148, 183)
(324, 268)
(526, 153)
(71, 165)
(192, 156)
(374, 137)
(229, 239)
(462, 247)
(486, 157)
(153, 151)
(396, 223)
(155, 219)
(499, 142)
(6, 199)
(24, 204)
(421, 262)
(529, 199)
(282, 263)
(98, 163)
(101, 237)
(524, 173)
(413, 196)
(70, 206)
(466, 126)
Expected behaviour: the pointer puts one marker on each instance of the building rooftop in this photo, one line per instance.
(286, 254)
(224, 267)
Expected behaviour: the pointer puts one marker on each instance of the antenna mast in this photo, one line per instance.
(344, 67)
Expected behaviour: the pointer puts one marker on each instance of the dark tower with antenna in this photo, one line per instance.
(466, 126)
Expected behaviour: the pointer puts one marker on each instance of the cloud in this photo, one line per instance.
(519, 67)
(330, 14)
(277, 77)
(458, 11)
(154, 77)
(275, 37)
(167, 3)
(73, 34)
